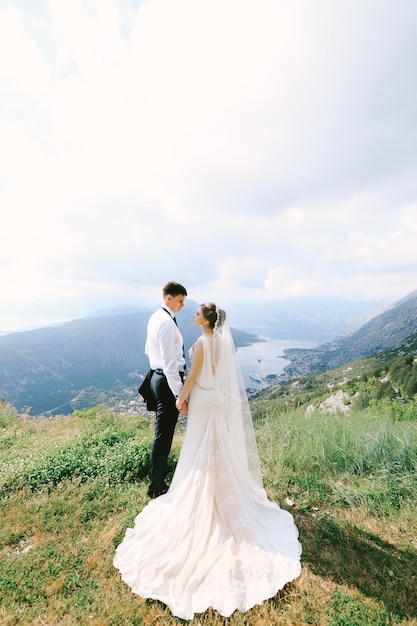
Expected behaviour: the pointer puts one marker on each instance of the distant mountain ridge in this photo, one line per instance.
(82, 362)
(45, 370)
(334, 316)
(388, 329)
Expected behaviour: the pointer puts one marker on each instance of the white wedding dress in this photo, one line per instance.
(214, 540)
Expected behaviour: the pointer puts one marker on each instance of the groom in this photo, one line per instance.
(164, 348)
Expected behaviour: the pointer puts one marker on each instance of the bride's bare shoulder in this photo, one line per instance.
(196, 343)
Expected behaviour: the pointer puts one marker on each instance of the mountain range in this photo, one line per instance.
(395, 326)
(95, 360)
(81, 362)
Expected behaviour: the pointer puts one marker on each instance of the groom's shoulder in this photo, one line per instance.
(159, 318)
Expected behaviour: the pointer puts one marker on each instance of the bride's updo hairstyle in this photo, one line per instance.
(215, 317)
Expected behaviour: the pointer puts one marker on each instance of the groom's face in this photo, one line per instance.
(175, 303)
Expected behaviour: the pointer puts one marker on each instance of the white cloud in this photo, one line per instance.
(20, 58)
(257, 149)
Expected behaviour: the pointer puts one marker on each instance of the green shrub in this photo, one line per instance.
(114, 457)
(8, 414)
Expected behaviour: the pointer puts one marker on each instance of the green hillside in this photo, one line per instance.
(389, 376)
(70, 485)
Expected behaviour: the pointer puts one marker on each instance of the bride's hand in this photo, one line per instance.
(182, 407)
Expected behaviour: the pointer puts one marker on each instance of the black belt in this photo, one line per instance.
(161, 373)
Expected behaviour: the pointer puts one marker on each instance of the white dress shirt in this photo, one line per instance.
(164, 347)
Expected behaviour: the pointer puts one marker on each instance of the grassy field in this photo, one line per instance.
(70, 485)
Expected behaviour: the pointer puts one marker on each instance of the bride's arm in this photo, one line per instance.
(197, 362)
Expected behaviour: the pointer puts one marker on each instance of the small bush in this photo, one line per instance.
(8, 414)
(114, 457)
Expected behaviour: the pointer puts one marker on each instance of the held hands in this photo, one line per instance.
(182, 407)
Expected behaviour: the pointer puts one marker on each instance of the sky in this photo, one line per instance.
(252, 150)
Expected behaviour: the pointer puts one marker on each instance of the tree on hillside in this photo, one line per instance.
(410, 385)
(403, 374)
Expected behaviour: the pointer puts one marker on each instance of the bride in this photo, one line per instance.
(214, 539)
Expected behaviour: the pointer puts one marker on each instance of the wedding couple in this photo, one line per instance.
(212, 539)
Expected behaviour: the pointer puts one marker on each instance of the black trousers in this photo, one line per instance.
(165, 422)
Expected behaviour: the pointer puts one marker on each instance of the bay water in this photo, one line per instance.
(267, 356)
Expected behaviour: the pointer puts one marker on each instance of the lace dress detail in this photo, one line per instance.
(214, 540)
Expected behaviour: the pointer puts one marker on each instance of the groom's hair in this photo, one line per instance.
(173, 289)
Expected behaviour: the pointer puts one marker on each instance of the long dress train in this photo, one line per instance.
(214, 539)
